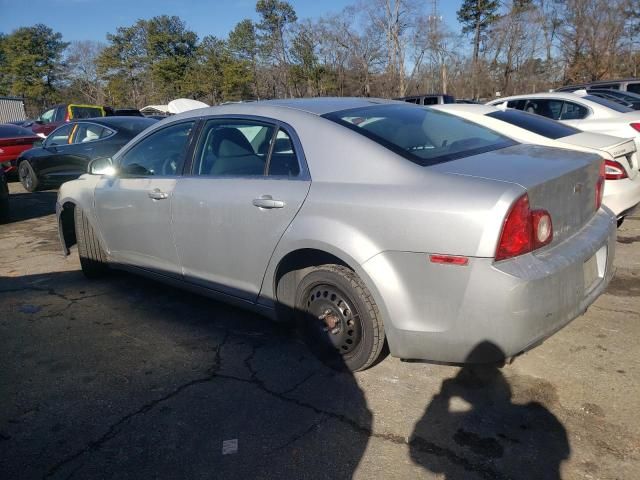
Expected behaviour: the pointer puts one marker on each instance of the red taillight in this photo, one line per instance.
(516, 231)
(614, 170)
(635, 126)
(600, 185)
(524, 230)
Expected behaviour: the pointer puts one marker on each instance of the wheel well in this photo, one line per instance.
(68, 225)
(290, 271)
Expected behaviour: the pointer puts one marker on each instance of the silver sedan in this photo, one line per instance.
(363, 221)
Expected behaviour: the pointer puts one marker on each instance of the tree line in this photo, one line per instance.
(384, 48)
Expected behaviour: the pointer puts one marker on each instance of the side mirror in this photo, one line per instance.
(37, 143)
(101, 166)
(38, 121)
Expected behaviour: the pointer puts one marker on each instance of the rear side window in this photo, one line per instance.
(422, 135)
(234, 148)
(88, 132)
(283, 161)
(573, 111)
(535, 123)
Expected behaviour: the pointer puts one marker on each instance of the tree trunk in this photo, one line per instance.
(476, 52)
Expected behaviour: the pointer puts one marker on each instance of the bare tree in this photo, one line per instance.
(81, 71)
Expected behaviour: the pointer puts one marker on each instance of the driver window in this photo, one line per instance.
(161, 153)
(59, 136)
(47, 117)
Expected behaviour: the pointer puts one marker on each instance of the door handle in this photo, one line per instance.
(157, 194)
(267, 201)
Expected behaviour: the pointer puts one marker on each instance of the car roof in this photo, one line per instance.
(316, 106)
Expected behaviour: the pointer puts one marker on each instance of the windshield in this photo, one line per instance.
(86, 112)
(422, 135)
(535, 123)
(608, 103)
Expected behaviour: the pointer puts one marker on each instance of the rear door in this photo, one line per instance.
(248, 181)
(134, 207)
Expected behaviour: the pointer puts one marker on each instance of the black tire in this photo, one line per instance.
(93, 260)
(338, 318)
(28, 177)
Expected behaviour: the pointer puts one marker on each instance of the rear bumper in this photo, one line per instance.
(443, 312)
(621, 196)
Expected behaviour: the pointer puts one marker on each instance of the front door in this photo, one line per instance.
(134, 207)
(228, 216)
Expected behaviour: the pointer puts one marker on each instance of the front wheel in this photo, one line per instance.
(338, 318)
(28, 177)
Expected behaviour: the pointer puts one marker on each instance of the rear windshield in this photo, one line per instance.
(85, 112)
(535, 123)
(608, 103)
(422, 135)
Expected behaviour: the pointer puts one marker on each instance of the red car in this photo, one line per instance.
(13, 141)
(57, 115)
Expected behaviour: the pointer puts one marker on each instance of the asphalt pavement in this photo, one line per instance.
(127, 378)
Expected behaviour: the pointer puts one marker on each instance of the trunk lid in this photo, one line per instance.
(563, 182)
(622, 150)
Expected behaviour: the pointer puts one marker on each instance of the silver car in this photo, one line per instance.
(365, 221)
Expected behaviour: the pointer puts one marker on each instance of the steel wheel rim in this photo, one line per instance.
(25, 177)
(335, 317)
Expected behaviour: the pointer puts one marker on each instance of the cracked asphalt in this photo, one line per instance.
(128, 378)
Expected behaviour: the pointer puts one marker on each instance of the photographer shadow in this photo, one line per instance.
(472, 429)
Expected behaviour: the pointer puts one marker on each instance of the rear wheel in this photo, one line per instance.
(338, 318)
(28, 177)
(93, 260)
